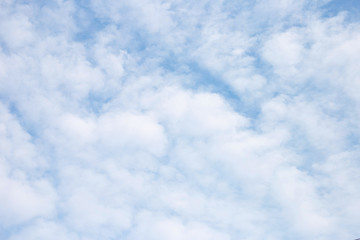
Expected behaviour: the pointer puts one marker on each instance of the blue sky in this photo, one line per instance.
(172, 120)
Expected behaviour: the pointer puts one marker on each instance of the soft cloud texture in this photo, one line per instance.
(175, 120)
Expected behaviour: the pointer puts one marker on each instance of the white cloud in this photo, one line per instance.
(43, 230)
(131, 132)
(23, 193)
(155, 226)
(178, 120)
(284, 52)
(301, 204)
(21, 201)
(17, 31)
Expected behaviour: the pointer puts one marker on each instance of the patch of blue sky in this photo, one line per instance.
(39, 3)
(307, 153)
(204, 80)
(4, 49)
(353, 140)
(259, 65)
(351, 7)
(7, 231)
(88, 22)
(95, 102)
(89, 27)
(233, 8)
(30, 127)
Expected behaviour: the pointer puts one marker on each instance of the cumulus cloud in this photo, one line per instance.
(176, 120)
(25, 194)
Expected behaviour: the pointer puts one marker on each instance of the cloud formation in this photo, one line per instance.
(177, 120)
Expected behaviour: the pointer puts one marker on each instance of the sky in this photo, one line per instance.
(176, 120)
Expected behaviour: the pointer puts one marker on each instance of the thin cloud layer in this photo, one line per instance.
(177, 120)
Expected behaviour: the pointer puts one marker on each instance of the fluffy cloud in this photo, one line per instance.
(25, 194)
(178, 120)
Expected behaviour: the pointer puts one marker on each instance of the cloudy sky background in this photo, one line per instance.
(173, 120)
